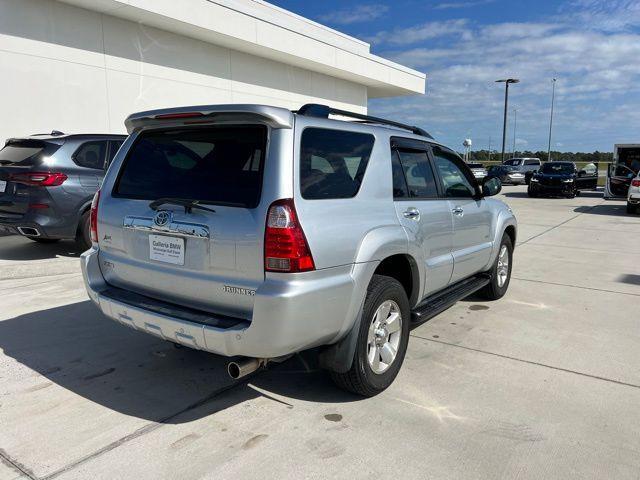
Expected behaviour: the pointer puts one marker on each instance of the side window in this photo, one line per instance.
(532, 162)
(420, 181)
(400, 189)
(333, 162)
(91, 155)
(114, 146)
(455, 184)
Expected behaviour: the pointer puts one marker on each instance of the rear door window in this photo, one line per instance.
(417, 171)
(532, 162)
(91, 155)
(26, 153)
(218, 165)
(333, 162)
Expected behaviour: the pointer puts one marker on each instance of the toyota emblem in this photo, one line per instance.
(162, 218)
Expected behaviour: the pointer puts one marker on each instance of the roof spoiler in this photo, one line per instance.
(323, 111)
(273, 116)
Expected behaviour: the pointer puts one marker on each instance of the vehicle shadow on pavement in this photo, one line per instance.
(604, 209)
(516, 194)
(133, 373)
(18, 248)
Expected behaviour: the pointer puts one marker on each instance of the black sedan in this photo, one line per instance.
(562, 179)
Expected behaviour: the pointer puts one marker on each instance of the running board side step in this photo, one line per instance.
(446, 298)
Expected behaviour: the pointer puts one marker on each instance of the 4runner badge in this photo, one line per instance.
(238, 290)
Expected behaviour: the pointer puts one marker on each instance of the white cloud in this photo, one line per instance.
(455, 5)
(419, 33)
(597, 91)
(357, 14)
(605, 15)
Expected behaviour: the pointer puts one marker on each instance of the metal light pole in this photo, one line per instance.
(515, 124)
(553, 98)
(506, 82)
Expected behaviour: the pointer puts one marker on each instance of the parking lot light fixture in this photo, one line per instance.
(553, 98)
(507, 82)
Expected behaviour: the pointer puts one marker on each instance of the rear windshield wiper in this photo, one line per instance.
(188, 205)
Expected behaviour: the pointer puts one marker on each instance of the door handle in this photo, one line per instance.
(412, 213)
(458, 211)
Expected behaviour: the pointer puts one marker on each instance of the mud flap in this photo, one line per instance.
(339, 356)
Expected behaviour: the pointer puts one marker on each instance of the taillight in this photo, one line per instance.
(635, 183)
(41, 179)
(285, 246)
(93, 217)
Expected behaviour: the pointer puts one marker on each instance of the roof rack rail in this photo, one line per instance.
(323, 111)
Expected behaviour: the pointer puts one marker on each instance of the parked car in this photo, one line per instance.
(478, 170)
(563, 179)
(526, 166)
(254, 231)
(47, 183)
(633, 197)
(623, 169)
(508, 174)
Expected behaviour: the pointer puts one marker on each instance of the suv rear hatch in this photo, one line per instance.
(209, 258)
(23, 167)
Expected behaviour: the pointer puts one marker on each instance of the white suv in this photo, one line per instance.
(633, 197)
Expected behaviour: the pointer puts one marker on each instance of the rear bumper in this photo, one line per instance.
(47, 225)
(291, 313)
(515, 180)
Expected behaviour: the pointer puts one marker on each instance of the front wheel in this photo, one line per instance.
(500, 271)
(382, 339)
(532, 193)
(631, 208)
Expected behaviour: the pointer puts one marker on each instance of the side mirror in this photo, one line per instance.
(491, 186)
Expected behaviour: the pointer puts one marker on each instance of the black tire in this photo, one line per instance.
(631, 209)
(493, 291)
(531, 193)
(361, 379)
(83, 236)
(44, 240)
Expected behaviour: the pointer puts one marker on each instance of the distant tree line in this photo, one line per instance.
(592, 157)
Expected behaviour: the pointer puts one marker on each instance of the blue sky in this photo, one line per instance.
(591, 46)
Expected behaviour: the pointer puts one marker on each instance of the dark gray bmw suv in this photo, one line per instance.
(47, 183)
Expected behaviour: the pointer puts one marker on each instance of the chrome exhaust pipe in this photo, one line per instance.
(29, 231)
(245, 366)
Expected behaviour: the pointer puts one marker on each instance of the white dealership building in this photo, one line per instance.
(84, 65)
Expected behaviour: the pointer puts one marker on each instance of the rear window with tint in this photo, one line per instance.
(217, 165)
(26, 153)
(333, 162)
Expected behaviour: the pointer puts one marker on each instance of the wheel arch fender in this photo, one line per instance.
(506, 223)
(378, 245)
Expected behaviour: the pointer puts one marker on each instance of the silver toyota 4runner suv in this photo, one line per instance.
(255, 232)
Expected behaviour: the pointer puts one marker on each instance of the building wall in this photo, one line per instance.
(75, 70)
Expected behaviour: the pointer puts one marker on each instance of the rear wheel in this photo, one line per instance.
(532, 193)
(631, 208)
(44, 240)
(500, 271)
(382, 339)
(83, 236)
